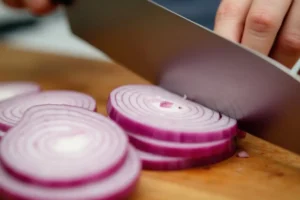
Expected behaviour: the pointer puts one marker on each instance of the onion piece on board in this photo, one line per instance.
(157, 162)
(63, 146)
(143, 109)
(15, 88)
(118, 186)
(174, 149)
(243, 154)
(12, 111)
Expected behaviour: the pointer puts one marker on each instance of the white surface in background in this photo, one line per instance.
(51, 35)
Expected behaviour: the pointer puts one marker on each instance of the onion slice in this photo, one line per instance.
(118, 186)
(156, 113)
(63, 146)
(12, 111)
(16, 88)
(243, 154)
(157, 162)
(174, 149)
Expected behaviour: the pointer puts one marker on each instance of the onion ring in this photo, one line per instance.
(165, 163)
(15, 88)
(118, 186)
(12, 110)
(63, 146)
(174, 149)
(156, 113)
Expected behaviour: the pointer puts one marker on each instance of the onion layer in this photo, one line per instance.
(174, 149)
(12, 110)
(157, 162)
(156, 113)
(15, 88)
(118, 186)
(63, 146)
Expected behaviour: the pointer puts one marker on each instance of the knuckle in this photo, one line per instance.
(227, 10)
(290, 42)
(262, 22)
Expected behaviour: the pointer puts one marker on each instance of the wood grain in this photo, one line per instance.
(270, 173)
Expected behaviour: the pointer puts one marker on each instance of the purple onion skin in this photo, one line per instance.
(6, 128)
(122, 195)
(186, 163)
(176, 152)
(148, 131)
(74, 183)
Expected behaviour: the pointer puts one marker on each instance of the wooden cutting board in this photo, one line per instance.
(270, 173)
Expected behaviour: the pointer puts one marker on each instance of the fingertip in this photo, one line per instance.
(40, 7)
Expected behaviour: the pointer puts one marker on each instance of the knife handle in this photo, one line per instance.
(64, 2)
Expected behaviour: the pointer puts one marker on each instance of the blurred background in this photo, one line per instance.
(51, 33)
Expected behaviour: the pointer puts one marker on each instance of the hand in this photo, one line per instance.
(37, 7)
(271, 27)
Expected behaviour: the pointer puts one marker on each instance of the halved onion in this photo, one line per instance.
(15, 88)
(12, 110)
(157, 162)
(154, 112)
(175, 149)
(118, 186)
(63, 146)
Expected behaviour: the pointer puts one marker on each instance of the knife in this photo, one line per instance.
(189, 59)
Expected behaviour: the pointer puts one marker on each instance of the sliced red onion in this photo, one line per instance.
(15, 88)
(175, 149)
(157, 162)
(63, 146)
(118, 186)
(141, 109)
(1, 134)
(13, 110)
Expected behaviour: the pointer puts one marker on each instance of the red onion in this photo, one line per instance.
(63, 146)
(174, 149)
(12, 110)
(117, 186)
(158, 162)
(15, 88)
(154, 112)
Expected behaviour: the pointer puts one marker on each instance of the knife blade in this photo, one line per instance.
(189, 59)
